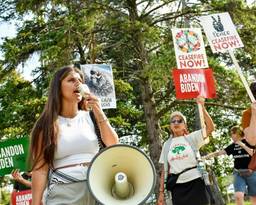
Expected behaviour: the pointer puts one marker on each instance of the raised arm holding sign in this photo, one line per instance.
(202, 122)
(190, 79)
(190, 83)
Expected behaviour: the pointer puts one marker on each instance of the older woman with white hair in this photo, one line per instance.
(179, 160)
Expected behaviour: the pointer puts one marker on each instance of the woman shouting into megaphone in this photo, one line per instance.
(64, 141)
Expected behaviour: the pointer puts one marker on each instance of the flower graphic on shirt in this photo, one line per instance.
(178, 149)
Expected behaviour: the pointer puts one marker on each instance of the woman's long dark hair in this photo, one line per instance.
(45, 131)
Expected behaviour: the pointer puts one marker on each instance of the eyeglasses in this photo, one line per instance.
(177, 121)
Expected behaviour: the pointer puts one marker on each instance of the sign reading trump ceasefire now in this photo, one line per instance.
(13, 155)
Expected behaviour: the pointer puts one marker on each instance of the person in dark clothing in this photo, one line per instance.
(244, 178)
(22, 181)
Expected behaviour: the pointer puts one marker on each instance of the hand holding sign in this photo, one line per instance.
(16, 175)
(200, 100)
(190, 79)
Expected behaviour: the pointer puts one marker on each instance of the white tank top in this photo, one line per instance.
(77, 141)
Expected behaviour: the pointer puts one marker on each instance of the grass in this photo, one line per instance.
(245, 203)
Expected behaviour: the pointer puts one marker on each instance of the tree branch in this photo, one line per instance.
(189, 102)
(156, 8)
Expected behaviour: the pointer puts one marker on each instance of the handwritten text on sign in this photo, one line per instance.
(221, 32)
(99, 79)
(189, 83)
(189, 48)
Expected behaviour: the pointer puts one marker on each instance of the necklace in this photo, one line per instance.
(67, 121)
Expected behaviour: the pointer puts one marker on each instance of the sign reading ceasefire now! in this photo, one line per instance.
(189, 83)
(189, 48)
(221, 32)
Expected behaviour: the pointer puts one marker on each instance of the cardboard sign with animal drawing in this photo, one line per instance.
(99, 79)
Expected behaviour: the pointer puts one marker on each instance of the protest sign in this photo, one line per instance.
(190, 54)
(222, 36)
(189, 48)
(221, 32)
(99, 79)
(22, 198)
(189, 83)
(13, 155)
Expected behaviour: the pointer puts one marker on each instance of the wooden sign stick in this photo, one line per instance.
(201, 117)
(238, 69)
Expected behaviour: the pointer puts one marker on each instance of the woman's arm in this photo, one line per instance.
(39, 181)
(250, 132)
(108, 134)
(214, 154)
(207, 118)
(39, 173)
(160, 200)
(246, 148)
(17, 177)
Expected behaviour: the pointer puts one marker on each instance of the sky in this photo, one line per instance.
(9, 30)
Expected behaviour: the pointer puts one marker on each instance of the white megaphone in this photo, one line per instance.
(121, 175)
(84, 90)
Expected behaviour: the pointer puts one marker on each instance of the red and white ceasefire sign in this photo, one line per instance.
(189, 83)
(221, 32)
(22, 198)
(189, 48)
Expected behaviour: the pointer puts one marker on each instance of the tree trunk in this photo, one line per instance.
(148, 101)
(152, 125)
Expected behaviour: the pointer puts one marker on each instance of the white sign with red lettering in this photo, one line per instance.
(221, 32)
(189, 48)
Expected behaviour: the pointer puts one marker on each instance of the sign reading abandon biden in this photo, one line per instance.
(13, 155)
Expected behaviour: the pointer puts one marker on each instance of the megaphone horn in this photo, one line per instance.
(121, 175)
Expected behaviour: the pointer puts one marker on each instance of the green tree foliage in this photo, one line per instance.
(20, 106)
